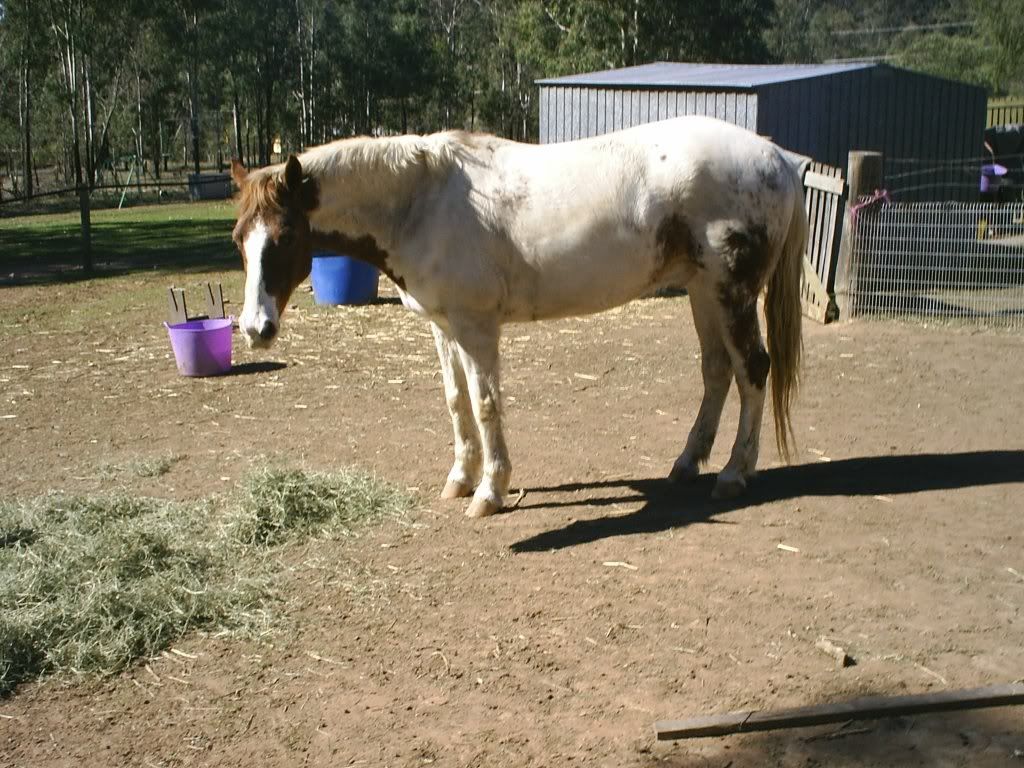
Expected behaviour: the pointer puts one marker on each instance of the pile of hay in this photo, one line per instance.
(88, 585)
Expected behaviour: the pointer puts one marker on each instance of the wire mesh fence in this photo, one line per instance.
(947, 261)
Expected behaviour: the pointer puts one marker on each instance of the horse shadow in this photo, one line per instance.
(260, 366)
(667, 505)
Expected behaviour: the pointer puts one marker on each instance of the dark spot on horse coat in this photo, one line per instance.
(770, 178)
(364, 248)
(747, 257)
(741, 322)
(676, 243)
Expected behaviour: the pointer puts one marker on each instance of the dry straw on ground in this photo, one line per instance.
(89, 585)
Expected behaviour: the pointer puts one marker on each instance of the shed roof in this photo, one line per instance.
(668, 74)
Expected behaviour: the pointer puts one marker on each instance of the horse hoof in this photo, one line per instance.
(456, 489)
(683, 473)
(728, 489)
(482, 508)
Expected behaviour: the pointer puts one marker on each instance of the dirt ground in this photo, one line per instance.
(558, 633)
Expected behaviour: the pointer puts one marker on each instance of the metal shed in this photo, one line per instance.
(819, 110)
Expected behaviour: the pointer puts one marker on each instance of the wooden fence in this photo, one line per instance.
(824, 201)
(1005, 112)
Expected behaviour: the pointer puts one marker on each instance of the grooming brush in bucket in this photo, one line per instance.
(202, 347)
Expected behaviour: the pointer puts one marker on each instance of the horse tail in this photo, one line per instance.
(783, 313)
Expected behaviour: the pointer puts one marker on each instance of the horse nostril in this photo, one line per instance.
(268, 331)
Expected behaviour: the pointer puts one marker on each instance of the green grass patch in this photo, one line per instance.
(89, 585)
(169, 236)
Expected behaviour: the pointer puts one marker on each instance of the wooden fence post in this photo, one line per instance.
(85, 214)
(864, 176)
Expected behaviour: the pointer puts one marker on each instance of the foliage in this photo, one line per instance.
(191, 82)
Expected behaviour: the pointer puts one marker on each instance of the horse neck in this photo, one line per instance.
(366, 185)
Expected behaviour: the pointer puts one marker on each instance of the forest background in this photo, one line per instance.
(92, 90)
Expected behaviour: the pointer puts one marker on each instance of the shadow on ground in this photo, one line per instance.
(263, 366)
(667, 505)
(52, 255)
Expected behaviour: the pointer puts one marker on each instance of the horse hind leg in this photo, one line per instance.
(716, 370)
(465, 472)
(477, 340)
(750, 363)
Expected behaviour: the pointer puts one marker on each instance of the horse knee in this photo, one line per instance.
(757, 365)
(715, 367)
(453, 398)
(487, 408)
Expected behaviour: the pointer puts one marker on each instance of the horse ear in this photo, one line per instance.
(309, 194)
(293, 173)
(238, 172)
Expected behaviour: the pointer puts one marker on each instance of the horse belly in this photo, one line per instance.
(568, 276)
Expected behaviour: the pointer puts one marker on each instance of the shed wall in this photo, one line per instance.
(568, 112)
(930, 130)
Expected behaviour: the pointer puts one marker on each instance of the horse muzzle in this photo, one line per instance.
(259, 331)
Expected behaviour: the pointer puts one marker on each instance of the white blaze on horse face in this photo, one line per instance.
(259, 320)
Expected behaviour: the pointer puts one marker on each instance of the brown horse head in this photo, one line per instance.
(272, 233)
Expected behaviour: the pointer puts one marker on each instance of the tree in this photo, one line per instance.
(1000, 23)
(24, 58)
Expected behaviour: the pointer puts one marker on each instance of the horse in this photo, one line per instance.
(477, 231)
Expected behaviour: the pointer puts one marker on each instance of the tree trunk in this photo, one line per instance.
(268, 138)
(25, 114)
(70, 72)
(85, 214)
(258, 147)
(248, 139)
(236, 119)
(90, 150)
(140, 151)
(158, 144)
(193, 114)
(303, 90)
(220, 134)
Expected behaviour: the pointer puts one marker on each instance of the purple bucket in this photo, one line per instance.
(201, 347)
(991, 176)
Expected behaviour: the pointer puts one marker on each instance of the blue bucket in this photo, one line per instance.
(343, 280)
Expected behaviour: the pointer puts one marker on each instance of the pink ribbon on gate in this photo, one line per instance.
(879, 196)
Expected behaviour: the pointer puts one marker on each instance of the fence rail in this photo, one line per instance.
(824, 194)
(945, 261)
(1005, 113)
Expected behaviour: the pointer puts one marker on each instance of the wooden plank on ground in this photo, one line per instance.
(869, 708)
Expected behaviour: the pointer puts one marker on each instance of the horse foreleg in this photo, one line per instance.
(477, 340)
(716, 370)
(750, 364)
(465, 472)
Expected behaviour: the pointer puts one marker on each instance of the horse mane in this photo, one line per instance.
(258, 197)
(396, 156)
(385, 164)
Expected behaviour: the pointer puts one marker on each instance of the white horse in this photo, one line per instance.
(477, 231)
